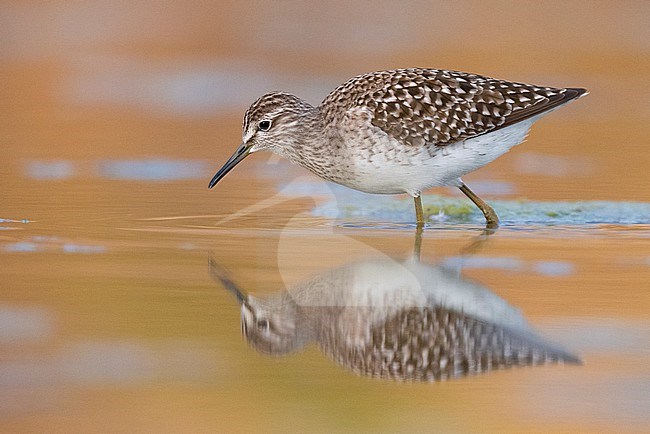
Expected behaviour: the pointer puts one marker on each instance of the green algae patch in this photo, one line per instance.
(457, 211)
(346, 203)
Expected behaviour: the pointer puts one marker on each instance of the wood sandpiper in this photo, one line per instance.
(400, 131)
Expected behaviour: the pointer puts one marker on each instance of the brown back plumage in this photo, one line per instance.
(433, 106)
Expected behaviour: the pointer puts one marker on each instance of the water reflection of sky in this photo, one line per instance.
(24, 324)
(52, 245)
(151, 170)
(155, 169)
(49, 170)
(545, 268)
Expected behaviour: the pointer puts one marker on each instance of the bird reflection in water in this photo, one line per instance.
(405, 321)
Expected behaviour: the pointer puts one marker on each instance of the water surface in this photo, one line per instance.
(120, 270)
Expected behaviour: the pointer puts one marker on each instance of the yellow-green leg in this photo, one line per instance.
(491, 219)
(419, 215)
(419, 218)
(417, 243)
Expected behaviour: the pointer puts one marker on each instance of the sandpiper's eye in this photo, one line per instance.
(263, 324)
(264, 125)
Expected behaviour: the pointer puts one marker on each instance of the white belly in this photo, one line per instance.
(389, 171)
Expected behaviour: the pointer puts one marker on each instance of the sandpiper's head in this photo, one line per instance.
(273, 123)
(271, 325)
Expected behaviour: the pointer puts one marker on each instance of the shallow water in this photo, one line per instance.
(126, 283)
(113, 311)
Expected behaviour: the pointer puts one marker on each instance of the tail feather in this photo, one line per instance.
(568, 94)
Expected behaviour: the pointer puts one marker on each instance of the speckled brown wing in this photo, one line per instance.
(438, 107)
(434, 344)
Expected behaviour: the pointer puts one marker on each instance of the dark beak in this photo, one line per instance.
(234, 159)
(220, 275)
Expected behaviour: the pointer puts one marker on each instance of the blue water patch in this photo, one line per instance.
(494, 262)
(45, 239)
(152, 170)
(554, 268)
(49, 170)
(77, 248)
(41, 243)
(21, 324)
(22, 246)
(544, 268)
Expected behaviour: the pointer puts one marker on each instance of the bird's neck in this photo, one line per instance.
(311, 144)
